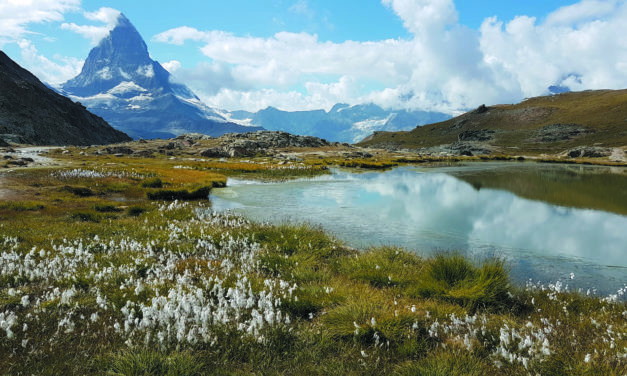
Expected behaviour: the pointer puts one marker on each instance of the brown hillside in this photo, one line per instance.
(549, 124)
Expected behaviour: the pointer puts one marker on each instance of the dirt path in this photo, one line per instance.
(25, 153)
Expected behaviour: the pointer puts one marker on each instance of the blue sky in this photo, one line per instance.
(303, 54)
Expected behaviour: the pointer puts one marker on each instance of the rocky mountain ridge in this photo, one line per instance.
(577, 124)
(32, 113)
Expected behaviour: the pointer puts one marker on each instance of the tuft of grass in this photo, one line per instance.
(383, 267)
(455, 278)
(447, 363)
(353, 319)
(150, 362)
(136, 210)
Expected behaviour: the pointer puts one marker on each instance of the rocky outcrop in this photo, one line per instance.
(559, 132)
(476, 135)
(589, 152)
(259, 143)
(469, 149)
(32, 113)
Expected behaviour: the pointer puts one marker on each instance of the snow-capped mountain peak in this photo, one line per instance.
(120, 82)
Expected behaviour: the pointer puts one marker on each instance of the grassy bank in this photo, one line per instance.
(97, 278)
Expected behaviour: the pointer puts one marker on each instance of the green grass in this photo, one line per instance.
(22, 206)
(78, 276)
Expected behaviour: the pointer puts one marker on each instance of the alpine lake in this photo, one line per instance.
(563, 224)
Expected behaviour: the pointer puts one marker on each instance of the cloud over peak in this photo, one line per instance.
(108, 16)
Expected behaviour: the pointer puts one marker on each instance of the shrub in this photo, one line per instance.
(135, 211)
(85, 217)
(153, 183)
(181, 194)
(78, 191)
(107, 208)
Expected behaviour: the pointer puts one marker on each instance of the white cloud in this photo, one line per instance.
(172, 65)
(105, 15)
(564, 50)
(15, 15)
(584, 11)
(301, 7)
(422, 17)
(48, 70)
(444, 66)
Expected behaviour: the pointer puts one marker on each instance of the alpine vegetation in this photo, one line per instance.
(114, 283)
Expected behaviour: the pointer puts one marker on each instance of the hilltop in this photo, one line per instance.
(578, 124)
(31, 113)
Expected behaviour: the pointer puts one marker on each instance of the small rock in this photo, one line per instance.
(214, 153)
(119, 150)
(17, 162)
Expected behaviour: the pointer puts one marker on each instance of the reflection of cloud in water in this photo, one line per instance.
(444, 204)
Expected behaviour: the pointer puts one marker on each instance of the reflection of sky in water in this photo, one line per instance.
(430, 211)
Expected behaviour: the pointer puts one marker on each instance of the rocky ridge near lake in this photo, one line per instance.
(261, 142)
(32, 113)
(588, 124)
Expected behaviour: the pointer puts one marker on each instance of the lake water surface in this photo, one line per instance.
(547, 221)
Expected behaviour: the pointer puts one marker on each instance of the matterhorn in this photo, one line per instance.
(120, 82)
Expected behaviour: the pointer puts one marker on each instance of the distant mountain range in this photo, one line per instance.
(120, 82)
(32, 113)
(342, 123)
